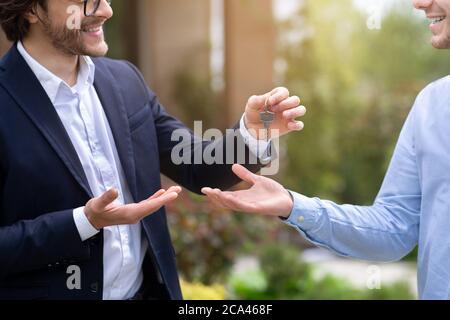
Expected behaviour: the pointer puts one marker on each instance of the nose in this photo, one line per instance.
(422, 4)
(105, 9)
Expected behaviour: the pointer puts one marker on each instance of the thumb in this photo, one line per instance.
(258, 102)
(244, 174)
(106, 199)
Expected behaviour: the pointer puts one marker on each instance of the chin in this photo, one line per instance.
(441, 40)
(440, 43)
(98, 51)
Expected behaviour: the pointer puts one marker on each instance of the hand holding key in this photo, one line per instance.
(274, 113)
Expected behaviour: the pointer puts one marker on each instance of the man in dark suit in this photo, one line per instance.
(82, 144)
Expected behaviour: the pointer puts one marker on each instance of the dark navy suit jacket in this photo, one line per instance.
(42, 181)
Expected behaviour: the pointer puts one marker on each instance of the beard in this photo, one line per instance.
(70, 42)
(443, 42)
(441, 38)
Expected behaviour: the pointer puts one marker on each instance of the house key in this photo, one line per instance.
(267, 118)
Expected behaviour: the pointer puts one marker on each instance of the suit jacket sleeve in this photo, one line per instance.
(33, 245)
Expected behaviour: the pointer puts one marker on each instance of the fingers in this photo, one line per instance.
(164, 199)
(105, 199)
(214, 196)
(296, 125)
(278, 95)
(294, 113)
(228, 200)
(206, 190)
(256, 103)
(157, 194)
(272, 98)
(133, 213)
(286, 104)
(161, 192)
(209, 193)
(141, 210)
(176, 189)
(233, 202)
(244, 174)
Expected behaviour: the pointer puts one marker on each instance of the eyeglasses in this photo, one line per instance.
(91, 6)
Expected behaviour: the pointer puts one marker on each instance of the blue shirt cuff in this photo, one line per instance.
(305, 213)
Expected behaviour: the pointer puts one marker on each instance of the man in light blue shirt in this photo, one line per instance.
(413, 205)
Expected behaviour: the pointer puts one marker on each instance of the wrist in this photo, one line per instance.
(289, 206)
(252, 129)
(91, 218)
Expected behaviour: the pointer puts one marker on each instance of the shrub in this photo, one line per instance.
(197, 291)
(282, 275)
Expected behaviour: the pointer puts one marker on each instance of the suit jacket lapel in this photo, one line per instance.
(25, 88)
(108, 91)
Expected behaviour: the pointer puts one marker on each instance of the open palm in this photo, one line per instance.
(265, 196)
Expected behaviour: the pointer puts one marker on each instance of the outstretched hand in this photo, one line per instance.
(265, 197)
(103, 212)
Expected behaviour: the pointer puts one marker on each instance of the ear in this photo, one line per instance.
(32, 15)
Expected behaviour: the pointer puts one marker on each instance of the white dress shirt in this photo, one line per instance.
(84, 119)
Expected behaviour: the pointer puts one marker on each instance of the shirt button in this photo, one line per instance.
(301, 219)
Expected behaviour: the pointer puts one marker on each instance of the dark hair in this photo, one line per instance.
(12, 17)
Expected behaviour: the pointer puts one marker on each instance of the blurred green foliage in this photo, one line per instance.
(193, 92)
(283, 275)
(114, 33)
(208, 240)
(198, 291)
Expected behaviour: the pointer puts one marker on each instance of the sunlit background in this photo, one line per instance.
(357, 65)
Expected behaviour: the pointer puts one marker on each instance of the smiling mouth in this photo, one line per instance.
(436, 20)
(92, 29)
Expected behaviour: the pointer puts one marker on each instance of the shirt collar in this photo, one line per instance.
(51, 83)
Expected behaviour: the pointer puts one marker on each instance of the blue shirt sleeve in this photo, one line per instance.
(386, 231)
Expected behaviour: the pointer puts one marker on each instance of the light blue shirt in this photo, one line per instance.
(412, 207)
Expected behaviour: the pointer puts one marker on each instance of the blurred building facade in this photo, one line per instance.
(164, 37)
(4, 44)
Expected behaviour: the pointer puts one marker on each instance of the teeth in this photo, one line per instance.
(437, 19)
(93, 29)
